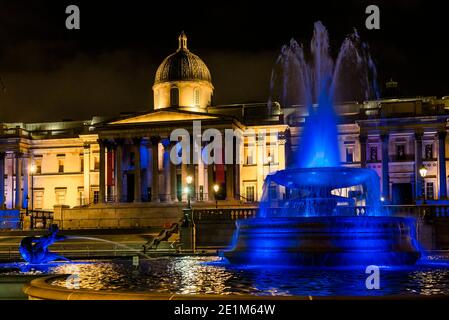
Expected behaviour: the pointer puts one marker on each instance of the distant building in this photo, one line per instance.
(125, 159)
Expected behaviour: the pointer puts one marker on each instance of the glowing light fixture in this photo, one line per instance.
(216, 188)
(423, 171)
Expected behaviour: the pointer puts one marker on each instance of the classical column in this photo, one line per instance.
(229, 181)
(237, 167)
(442, 163)
(25, 167)
(199, 179)
(418, 164)
(155, 169)
(173, 178)
(184, 174)
(2, 179)
(363, 139)
(137, 171)
(210, 182)
(109, 171)
(102, 179)
(18, 197)
(118, 170)
(167, 170)
(385, 168)
(86, 173)
(10, 182)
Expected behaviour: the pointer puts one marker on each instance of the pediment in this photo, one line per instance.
(164, 116)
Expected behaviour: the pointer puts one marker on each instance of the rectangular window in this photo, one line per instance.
(96, 163)
(38, 165)
(429, 191)
(96, 196)
(249, 159)
(428, 151)
(38, 200)
(373, 153)
(60, 196)
(400, 152)
(81, 163)
(60, 165)
(349, 155)
(61, 158)
(250, 193)
(249, 155)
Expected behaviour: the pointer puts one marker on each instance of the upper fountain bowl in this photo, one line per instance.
(322, 191)
(331, 177)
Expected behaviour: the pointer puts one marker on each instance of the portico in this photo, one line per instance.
(135, 164)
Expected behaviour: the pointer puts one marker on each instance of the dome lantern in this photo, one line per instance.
(182, 41)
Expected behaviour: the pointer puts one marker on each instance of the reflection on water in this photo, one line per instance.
(211, 275)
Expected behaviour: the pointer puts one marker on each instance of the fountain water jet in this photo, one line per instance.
(312, 223)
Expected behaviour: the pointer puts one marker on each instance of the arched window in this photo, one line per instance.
(174, 97)
(196, 97)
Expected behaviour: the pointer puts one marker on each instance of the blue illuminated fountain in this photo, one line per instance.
(318, 213)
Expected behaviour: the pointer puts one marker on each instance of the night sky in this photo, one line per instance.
(107, 67)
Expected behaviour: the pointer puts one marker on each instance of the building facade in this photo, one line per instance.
(126, 159)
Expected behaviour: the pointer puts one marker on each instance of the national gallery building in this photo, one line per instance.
(125, 160)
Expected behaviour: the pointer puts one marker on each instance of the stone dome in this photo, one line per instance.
(182, 66)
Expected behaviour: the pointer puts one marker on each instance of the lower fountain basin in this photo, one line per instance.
(325, 241)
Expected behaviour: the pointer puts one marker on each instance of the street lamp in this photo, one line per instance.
(189, 180)
(423, 174)
(32, 171)
(216, 188)
(269, 160)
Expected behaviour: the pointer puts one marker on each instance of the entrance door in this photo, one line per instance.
(402, 193)
(130, 187)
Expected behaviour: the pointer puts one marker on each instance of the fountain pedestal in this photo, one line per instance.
(325, 241)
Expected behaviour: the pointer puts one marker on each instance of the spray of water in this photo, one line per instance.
(111, 242)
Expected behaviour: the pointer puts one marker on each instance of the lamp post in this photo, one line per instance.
(423, 173)
(269, 160)
(32, 171)
(216, 188)
(189, 180)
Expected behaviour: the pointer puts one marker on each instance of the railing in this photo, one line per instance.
(224, 213)
(11, 253)
(428, 211)
(418, 211)
(39, 219)
(112, 198)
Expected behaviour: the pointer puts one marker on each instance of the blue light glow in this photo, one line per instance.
(322, 214)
